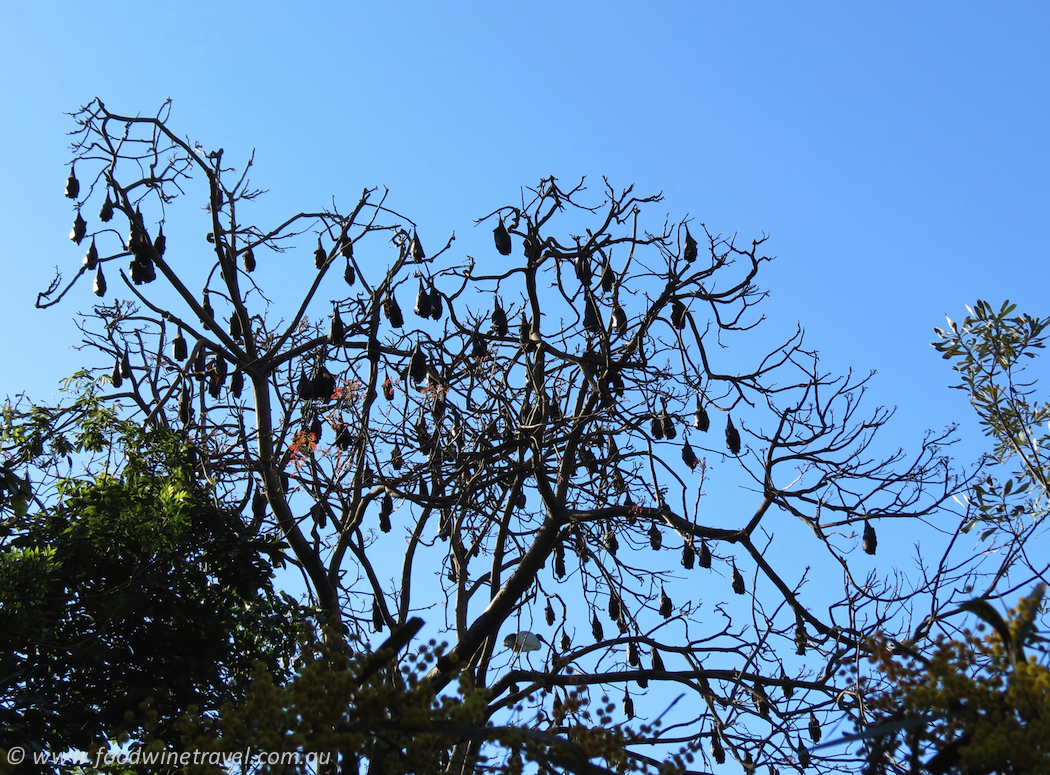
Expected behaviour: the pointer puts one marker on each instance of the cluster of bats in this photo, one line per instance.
(321, 385)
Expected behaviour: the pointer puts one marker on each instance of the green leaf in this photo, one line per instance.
(1028, 625)
(983, 610)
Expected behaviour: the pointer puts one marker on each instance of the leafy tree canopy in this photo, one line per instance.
(124, 584)
(967, 702)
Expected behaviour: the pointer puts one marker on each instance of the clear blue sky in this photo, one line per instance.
(895, 153)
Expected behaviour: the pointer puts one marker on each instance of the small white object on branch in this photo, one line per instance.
(523, 641)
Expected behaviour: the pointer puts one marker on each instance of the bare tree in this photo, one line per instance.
(542, 451)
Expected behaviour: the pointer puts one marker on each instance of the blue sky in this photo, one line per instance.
(895, 153)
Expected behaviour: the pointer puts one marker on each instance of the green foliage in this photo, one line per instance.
(124, 585)
(973, 704)
(991, 351)
(339, 707)
(14, 491)
(329, 707)
(976, 704)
